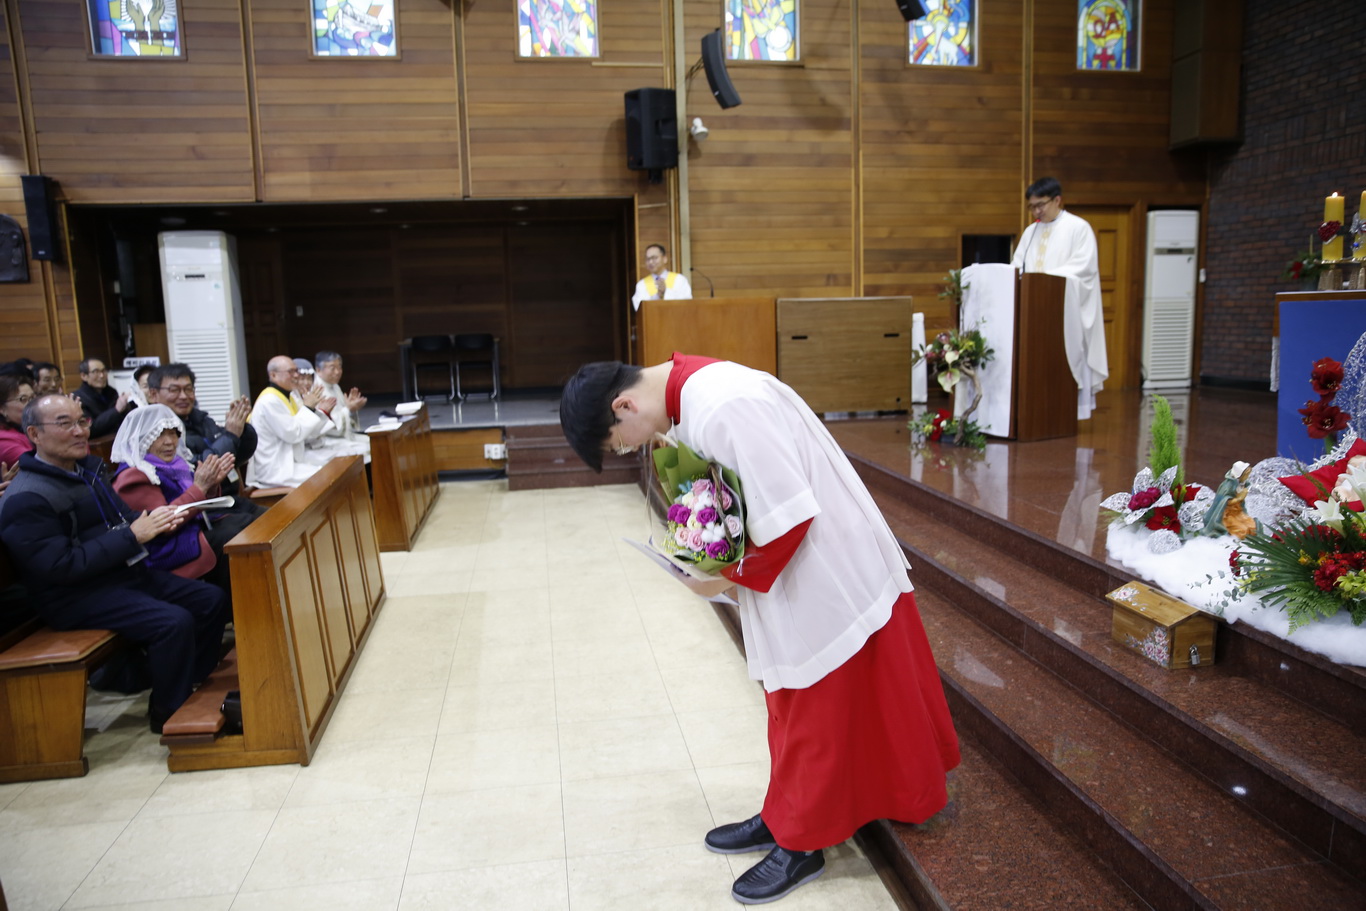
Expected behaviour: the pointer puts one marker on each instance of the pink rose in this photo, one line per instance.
(681, 536)
(694, 539)
(700, 486)
(726, 498)
(733, 526)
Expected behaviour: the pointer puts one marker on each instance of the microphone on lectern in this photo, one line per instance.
(704, 275)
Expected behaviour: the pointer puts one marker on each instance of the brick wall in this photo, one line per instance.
(1304, 129)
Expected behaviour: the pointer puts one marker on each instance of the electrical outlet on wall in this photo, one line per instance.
(495, 451)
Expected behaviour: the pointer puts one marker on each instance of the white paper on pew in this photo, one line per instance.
(214, 503)
(408, 407)
(678, 568)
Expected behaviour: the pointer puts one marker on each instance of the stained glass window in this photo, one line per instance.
(947, 35)
(354, 28)
(761, 29)
(557, 28)
(135, 28)
(1107, 35)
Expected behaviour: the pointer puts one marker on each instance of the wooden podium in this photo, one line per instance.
(1043, 392)
(740, 329)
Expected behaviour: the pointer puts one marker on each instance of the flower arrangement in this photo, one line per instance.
(954, 287)
(1313, 567)
(1167, 506)
(951, 357)
(705, 519)
(931, 428)
(1322, 419)
(1305, 267)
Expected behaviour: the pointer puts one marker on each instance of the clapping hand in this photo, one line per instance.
(354, 400)
(211, 471)
(159, 521)
(7, 473)
(326, 404)
(313, 396)
(236, 420)
(122, 404)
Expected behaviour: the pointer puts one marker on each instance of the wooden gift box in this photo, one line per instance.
(1161, 628)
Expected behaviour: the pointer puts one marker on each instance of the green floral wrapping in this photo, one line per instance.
(705, 502)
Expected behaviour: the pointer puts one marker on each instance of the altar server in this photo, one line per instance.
(858, 725)
(1060, 243)
(660, 284)
(344, 435)
(285, 421)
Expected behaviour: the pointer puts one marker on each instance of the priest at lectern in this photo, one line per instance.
(1060, 243)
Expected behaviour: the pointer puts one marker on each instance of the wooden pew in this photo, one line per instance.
(42, 695)
(306, 585)
(403, 473)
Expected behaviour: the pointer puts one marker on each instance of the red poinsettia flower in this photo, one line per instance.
(1296, 268)
(1326, 378)
(1322, 419)
(936, 434)
(1145, 498)
(1190, 491)
(1165, 517)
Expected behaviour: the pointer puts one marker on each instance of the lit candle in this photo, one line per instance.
(1361, 238)
(1333, 207)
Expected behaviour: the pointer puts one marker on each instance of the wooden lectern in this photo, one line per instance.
(740, 329)
(1043, 392)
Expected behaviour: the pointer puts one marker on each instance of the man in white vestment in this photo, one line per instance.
(285, 421)
(660, 284)
(1060, 243)
(342, 436)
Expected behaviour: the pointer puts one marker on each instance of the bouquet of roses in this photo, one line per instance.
(706, 515)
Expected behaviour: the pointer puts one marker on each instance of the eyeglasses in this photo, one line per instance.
(1036, 206)
(96, 370)
(21, 399)
(65, 426)
(174, 391)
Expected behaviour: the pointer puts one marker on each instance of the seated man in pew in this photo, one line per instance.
(47, 378)
(102, 403)
(345, 434)
(331, 442)
(285, 420)
(79, 551)
(172, 385)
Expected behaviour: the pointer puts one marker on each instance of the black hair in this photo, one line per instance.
(9, 385)
(169, 372)
(586, 406)
(85, 364)
(1045, 186)
(659, 247)
(45, 365)
(143, 371)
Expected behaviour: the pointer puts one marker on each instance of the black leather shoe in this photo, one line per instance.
(776, 875)
(740, 837)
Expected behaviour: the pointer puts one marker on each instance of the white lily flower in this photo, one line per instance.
(1329, 513)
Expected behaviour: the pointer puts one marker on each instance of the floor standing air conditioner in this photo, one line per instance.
(1169, 299)
(204, 314)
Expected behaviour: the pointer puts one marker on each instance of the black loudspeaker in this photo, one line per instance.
(651, 130)
(912, 9)
(42, 216)
(714, 62)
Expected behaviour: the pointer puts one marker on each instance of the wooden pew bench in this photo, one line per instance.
(403, 469)
(306, 585)
(43, 675)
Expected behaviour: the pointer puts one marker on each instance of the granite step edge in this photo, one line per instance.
(1332, 830)
(1100, 777)
(1336, 690)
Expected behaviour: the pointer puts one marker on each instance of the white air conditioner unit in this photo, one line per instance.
(204, 314)
(1169, 299)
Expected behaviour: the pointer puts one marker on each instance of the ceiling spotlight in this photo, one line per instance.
(698, 129)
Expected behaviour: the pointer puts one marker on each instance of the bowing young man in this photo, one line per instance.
(858, 726)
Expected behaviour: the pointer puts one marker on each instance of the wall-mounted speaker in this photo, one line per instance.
(651, 129)
(41, 212)
(714, 62)
(912, 9)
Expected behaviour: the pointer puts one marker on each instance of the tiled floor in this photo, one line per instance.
(540, 720)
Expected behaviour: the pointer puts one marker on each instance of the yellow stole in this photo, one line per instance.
(288, 400)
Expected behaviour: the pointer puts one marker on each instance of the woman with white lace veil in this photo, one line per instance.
(153, 469)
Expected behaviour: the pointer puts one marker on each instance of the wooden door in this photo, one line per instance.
(1122, 344)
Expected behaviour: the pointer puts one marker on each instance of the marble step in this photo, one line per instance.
(1177, 839)
(1301, 769)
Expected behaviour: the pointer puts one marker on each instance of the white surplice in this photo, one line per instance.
(1066, 246)
(841, 583)
(342, 435)
(283, 427)
(676, 287)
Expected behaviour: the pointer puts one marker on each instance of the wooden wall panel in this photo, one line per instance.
(140, 130)
(349, 129)
(772, 199)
